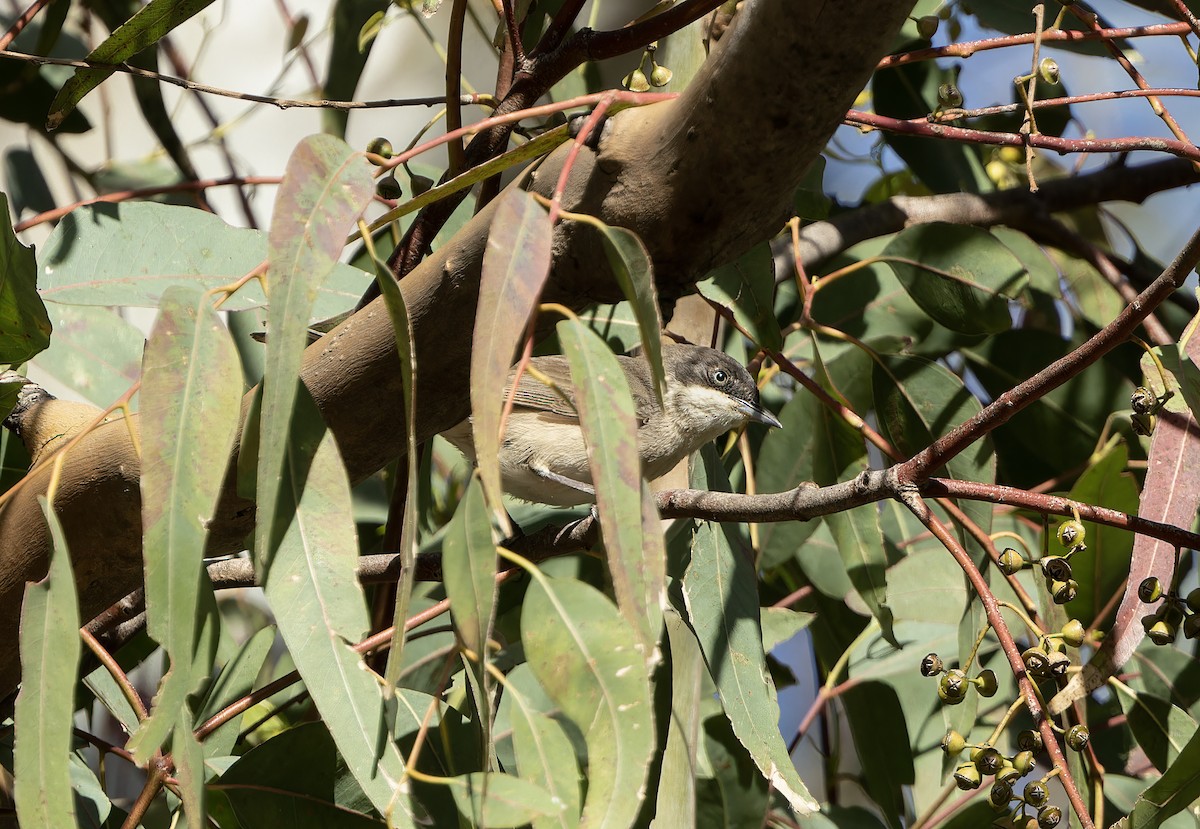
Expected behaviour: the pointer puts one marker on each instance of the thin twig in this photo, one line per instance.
(282, 103)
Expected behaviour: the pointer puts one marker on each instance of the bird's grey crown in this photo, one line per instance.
(706, 370)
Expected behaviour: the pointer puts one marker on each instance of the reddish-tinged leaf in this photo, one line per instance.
(515, 266)
(1171, 495)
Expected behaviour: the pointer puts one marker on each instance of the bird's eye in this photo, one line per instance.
(719, 376)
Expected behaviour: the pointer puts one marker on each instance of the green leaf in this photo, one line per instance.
(629, 520)
(747, 287)
(94, 352)
(347, 58)
(235, 680)
(1103, 568)
(402, 332)
(720, 592)
(579, 648)
(24, 324)
(45, 706)
(130, 253)
(149, 25)
(634, 272)
(190, 406)
(325, 187)
(545, 757)
(1043, 274)
(320, 608)
(675, 807)
(296, 774)
(501, 800)
(469, 570)
(960, 275)
(1173, 792)
(876, 721)
(1160, 728)
(1061, 429)
(516, 264)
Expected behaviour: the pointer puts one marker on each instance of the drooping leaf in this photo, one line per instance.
(628, 519)
(1161, 729)
(1103, 568)
(581, 651)
(631, 265)
(325, 188)
(347, 57)
(45, 705)
(676, 804)
(94, 352)
(320, 608)
(516, 264)
(545, 757)
(1172, 793)
(190, 396)
(296, 773)
(720, 592)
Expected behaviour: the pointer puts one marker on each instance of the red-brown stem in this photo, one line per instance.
(1089, 19)
(965, 50)
(1056, 505)
(21, 22)
(119, 676)
(154, 784)
(930, 129)
(991, 609)
(1001, 409)
(144, 192)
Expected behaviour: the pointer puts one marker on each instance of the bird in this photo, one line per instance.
(543, 456)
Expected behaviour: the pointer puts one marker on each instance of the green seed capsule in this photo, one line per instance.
(1030, 740)
(1049, 817)
(1036, 794)
(952, 687)
(986, 683)
(1078, 737)
(1073, 633)
(967, 777)
(1023, 762)
(1071, 533)
(953, 743)
(381, 147)
(1142, 400)
(1010, 561)
(1150, 590)
(949, 96)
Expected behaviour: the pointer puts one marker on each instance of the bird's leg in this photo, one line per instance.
(578, 486)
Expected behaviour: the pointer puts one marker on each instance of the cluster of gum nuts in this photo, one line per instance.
(1162, 626)
(1046, 660)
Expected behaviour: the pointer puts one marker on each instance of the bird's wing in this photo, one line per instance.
(534, 394)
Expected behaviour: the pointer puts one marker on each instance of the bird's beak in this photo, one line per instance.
(759, 414)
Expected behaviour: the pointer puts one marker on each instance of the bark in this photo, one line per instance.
(700, 179)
